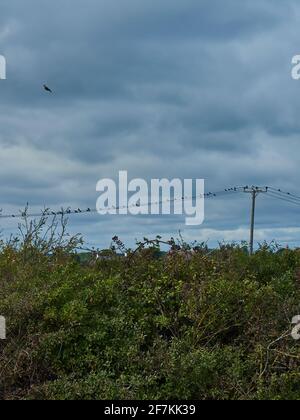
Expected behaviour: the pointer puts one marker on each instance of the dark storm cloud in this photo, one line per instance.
(197, 89)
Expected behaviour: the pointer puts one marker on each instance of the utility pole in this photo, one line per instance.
(254, 191)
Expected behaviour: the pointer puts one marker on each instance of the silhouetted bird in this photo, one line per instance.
(47, 89)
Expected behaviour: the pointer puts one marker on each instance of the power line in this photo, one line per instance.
(288, 194)
(282, 198)
(85, 211)
(270, 192)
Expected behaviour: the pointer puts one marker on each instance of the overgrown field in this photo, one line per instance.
(191, 324)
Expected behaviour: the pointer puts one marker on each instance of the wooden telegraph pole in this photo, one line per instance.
(254, 191)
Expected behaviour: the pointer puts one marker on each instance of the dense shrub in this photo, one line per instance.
(187, 324)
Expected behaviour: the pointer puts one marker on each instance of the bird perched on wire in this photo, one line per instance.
(47, 89)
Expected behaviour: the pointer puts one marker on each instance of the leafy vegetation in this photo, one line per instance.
(188, 324)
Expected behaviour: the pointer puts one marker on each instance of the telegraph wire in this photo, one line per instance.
(272, 192)
(85, 211)
(282, 198)
(283, 193)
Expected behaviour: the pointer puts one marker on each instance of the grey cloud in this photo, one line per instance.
(163, 89)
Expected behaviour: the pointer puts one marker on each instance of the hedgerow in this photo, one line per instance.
(188, 324)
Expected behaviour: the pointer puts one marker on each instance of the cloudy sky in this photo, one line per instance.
(172, 88)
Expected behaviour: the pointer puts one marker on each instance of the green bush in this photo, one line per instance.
(190, 324)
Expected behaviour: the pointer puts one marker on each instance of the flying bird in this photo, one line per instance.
(47, 89)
